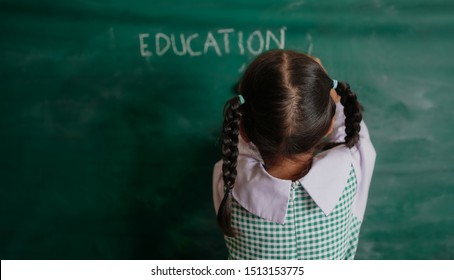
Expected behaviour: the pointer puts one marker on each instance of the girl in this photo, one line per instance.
(296, 164)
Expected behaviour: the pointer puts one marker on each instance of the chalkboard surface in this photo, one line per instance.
(110, 116)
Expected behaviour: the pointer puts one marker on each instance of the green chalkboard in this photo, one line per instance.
(110, 116)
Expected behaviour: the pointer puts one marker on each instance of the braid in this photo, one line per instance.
(352, 111)
(230, 132)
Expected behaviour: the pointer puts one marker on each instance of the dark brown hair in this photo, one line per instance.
(288, 111)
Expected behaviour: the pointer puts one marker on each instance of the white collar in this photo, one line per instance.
(267, 196)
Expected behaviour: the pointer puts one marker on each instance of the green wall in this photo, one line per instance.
(109, 131)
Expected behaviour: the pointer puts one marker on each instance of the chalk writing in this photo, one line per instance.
(218, 42)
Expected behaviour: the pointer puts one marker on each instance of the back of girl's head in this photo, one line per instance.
(288, 107)
(287, 111)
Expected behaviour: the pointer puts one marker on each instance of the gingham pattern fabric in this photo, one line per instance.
(306, 234)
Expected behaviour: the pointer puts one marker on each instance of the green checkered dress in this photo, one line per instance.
(306, 234)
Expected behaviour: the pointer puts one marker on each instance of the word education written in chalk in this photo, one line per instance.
(221, 42)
